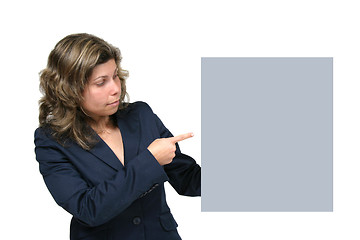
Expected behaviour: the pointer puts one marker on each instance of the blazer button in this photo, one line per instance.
(136, 220)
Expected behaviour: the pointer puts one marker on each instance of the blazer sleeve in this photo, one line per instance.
(94, 205)
(183, 172)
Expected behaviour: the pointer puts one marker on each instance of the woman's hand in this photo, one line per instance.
(163, 149)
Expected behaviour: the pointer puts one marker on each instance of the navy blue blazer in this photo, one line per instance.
(112, 201)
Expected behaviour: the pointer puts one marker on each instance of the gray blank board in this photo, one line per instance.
(267, 134)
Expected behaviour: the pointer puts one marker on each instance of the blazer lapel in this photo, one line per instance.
(129, 125)
(103, 152)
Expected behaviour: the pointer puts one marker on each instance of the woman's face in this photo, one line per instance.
(102, 92)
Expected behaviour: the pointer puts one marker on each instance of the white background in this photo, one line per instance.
(162, 43)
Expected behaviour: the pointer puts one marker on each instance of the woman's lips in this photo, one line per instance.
(114, 103)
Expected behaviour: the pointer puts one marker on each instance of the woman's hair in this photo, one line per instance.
(63, 81)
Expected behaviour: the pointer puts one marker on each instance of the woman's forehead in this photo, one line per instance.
(106, 69)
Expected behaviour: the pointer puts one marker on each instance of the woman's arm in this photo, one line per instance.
(94, 205)
(183, 172)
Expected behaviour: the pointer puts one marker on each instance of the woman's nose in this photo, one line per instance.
(115, 86)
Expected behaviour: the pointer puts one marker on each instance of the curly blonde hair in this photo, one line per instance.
(63, 81)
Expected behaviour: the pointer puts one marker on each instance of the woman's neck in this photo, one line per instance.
(102, 125)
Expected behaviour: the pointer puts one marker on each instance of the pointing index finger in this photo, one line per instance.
(181, 137)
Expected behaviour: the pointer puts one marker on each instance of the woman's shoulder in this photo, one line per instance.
(43, 135)
(141, 105)
(135, 107)
(43, 131)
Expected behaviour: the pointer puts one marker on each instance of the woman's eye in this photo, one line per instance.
(100, 83)
(115, 76)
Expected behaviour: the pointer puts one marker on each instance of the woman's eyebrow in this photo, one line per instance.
(105, 76)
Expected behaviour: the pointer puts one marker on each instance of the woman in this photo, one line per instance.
(103, 160)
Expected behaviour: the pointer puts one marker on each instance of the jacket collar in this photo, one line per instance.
(129, 125)
(104, 153)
